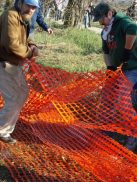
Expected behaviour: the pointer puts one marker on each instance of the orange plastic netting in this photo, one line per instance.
(60, 130)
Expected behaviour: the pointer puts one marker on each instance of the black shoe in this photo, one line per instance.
(9, 140)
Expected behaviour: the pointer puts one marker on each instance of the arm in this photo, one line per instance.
(130, 31)
(41, 22)
(130, 39)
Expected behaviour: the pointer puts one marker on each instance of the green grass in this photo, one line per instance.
(70, 49)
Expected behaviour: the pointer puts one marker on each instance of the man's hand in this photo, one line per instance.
(124, 66)
(35, 51)
(50, 31)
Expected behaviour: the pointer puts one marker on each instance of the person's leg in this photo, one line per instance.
(56, 15)
(131, 75)
(131, 143)
(87, 21)
(22, 88)
(14, 98)
(89, 24)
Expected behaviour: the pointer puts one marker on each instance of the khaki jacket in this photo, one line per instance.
(14, 44)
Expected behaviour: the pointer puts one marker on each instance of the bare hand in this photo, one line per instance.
(50, 31)
(35, 51)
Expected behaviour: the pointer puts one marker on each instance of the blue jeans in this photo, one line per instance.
(131, 75)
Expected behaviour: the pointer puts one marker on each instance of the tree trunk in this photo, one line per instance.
(74, 12)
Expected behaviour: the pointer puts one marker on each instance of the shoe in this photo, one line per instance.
(9, 140)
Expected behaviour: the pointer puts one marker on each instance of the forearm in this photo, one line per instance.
(42, 24)
(130, 39)
(40, 21)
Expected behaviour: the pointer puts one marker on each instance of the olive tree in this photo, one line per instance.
(74, 12)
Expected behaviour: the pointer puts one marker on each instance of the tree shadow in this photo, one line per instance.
(6, 176)
(68, 137)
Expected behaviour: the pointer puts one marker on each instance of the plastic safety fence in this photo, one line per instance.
(62, 128)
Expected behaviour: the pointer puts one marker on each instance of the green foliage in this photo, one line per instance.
(85, 39)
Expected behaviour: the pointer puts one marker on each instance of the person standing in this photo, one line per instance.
(15, 49)
(119, 45)
(86, 19)
(37, 18)
(91, 13)
(58, 11)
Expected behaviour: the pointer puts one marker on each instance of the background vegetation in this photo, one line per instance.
(71, 49)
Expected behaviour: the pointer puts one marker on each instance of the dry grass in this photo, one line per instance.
(64, 51)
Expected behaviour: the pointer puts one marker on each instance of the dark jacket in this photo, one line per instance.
(114, 45)
(39, 19)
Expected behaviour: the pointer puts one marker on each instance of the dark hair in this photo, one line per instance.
(114, 12)
(101, 10)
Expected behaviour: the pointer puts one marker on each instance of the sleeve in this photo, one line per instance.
(40, 19)
(14, 45)
(129, 27)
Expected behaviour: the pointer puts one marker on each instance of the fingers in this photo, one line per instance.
(35, 51)
(50, 31)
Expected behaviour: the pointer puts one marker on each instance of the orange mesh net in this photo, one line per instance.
(60, 129)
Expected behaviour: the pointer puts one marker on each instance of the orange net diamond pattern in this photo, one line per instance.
(61, 129)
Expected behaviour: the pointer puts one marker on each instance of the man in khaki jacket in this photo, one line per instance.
(15, 48)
